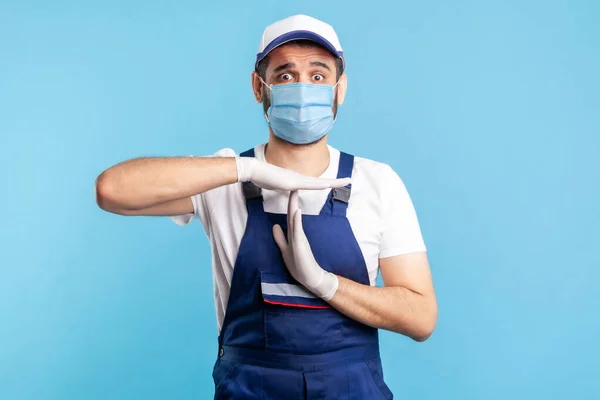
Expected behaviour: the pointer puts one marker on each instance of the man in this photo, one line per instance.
(299, 231)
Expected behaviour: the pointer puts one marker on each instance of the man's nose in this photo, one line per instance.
(304, 78)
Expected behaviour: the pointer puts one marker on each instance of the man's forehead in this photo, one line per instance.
(293, 53)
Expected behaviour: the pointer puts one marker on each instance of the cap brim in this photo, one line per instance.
(296, 35)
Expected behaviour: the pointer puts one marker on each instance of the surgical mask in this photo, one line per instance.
(301, 113)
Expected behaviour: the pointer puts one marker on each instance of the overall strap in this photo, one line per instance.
(338, 199)
(254, 204)
(252, 193)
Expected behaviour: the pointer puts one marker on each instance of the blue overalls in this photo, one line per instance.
(278, 341)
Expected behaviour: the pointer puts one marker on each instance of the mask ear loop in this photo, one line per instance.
(268, 87)
(335, 118)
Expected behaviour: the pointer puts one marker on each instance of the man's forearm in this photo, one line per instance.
(393, 308)
(145, 182)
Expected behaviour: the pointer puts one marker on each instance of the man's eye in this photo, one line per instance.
(318, 77)
(286, 77)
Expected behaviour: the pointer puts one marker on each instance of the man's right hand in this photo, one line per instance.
(272, 177)
(164, 185)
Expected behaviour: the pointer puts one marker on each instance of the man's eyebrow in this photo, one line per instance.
(320, 64)
(284, 66)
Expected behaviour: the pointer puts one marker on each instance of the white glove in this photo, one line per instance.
(298, 256)
(271, 177)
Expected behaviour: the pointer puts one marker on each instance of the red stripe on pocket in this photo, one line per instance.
(294, 305)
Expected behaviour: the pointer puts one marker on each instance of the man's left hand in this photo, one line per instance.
(298, 256)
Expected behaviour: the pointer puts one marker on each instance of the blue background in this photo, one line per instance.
(489, 111)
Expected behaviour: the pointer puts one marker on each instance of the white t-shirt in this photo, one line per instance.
(380, 213)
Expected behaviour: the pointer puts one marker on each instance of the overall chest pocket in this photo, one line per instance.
(295, 320)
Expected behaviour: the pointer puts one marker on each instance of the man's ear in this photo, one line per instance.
(257, 87)
(341, 89)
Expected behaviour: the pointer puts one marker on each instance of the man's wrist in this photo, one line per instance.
(329, 286)
(244, 168)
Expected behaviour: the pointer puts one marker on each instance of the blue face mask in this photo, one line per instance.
(301, 113)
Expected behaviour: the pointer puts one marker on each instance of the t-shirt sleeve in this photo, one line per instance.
(204, 202)
(401, 233)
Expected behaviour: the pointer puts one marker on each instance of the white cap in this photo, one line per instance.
(299, 27)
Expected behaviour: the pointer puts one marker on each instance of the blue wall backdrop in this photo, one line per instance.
(489, 111)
